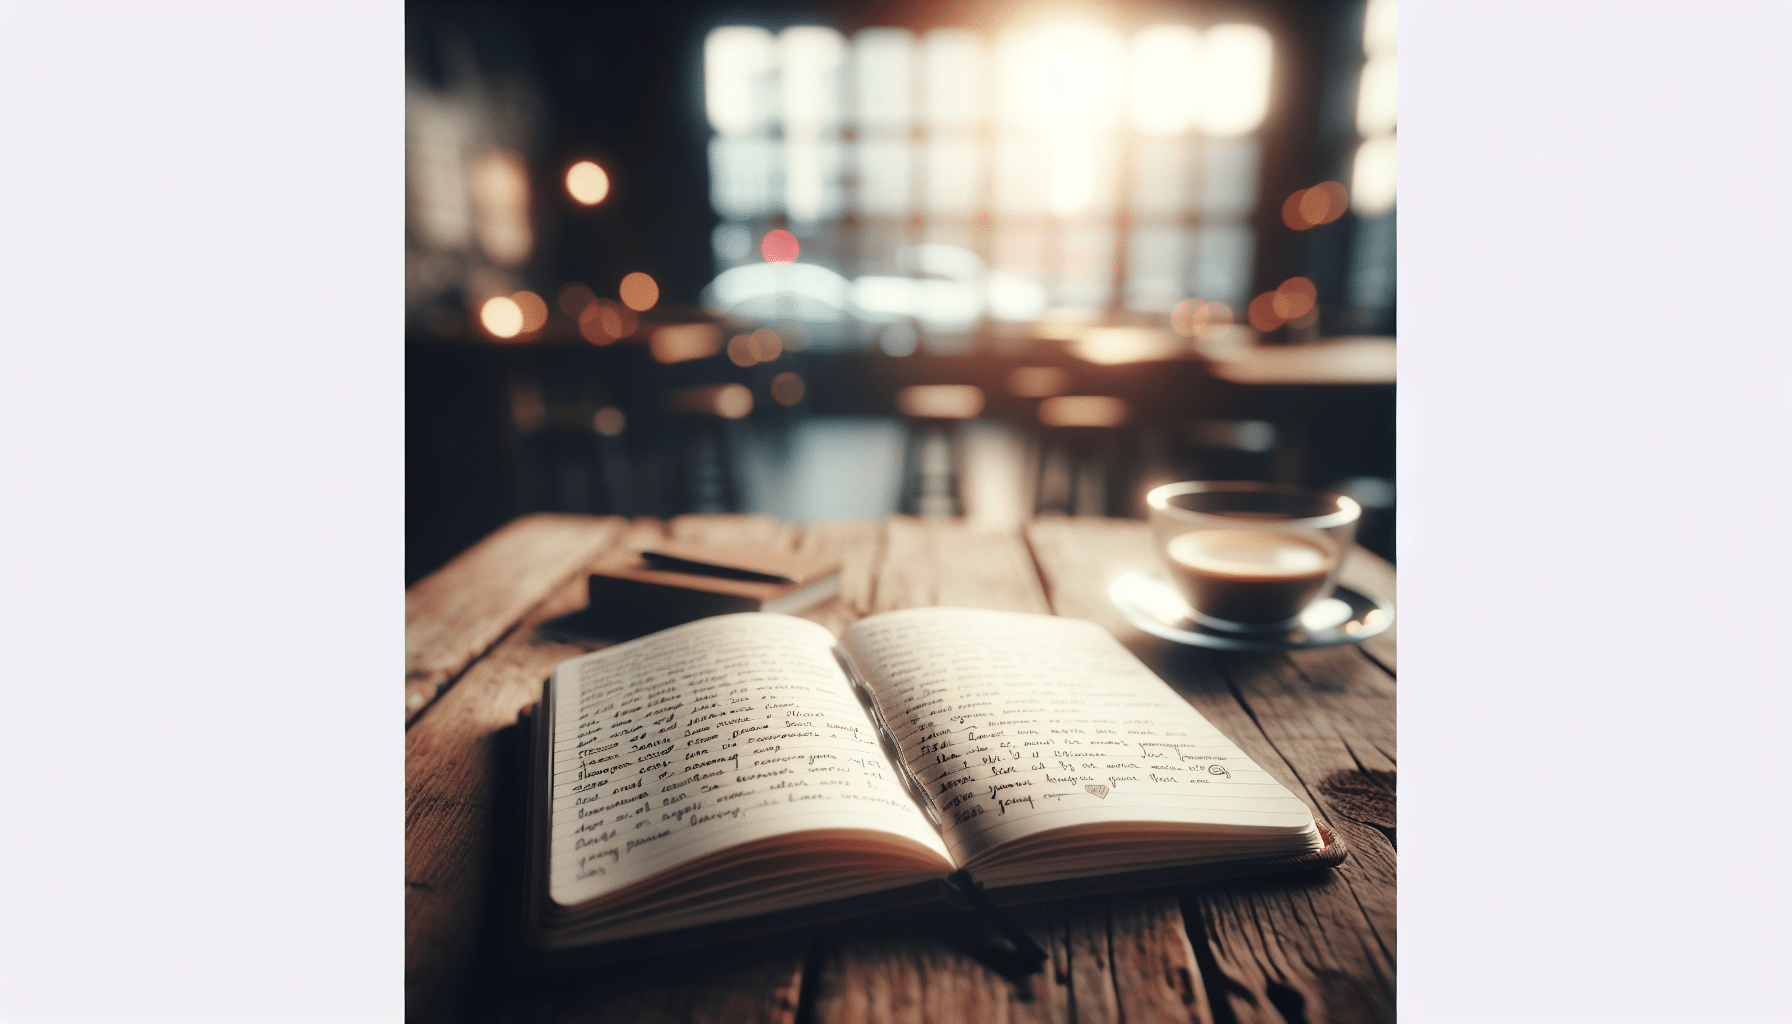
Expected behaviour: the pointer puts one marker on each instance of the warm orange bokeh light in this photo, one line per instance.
(1311, 207)
(502, 317)
(762, 346)
(639, 292)
(1291, 214)
(1262, 313)
(593, 327)
(1192, 316)
(1038, 381)
(574, 298)
(603, 321)
(787, 388)
(767, 346)
(941, 401)
(1111, 346)
(678, 343)
(587, 182)
(534, 310)
(780, 247)
(1295, 298)
(1325, 202)
(729, 401)
(609, 421)
(1084, 411)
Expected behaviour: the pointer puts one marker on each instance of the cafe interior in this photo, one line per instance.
(847, 260)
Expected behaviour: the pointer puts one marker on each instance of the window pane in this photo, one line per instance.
(1023, 166)
(1234, 79)
(1166, 84)
(736, 83)
(812, 179)
(1373, 177)
(745, 178)
(1160, 177)
(1154, 267)
(1221, 270)
(1086, 277)
(952, 77)
(1229, 178)
(885, 178)
(954, 173)
(883, 79)
(809, 65)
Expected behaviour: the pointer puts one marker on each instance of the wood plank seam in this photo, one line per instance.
(444, 685)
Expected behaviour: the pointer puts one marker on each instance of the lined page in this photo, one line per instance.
(1020, 723)
(706, 736)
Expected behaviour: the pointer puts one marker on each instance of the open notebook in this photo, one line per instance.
(752, 767)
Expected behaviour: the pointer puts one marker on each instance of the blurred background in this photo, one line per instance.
(824, 260)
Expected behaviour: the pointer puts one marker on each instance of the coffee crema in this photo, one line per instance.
(1253, 576)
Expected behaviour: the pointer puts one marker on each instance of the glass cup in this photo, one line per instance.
(1250, 557)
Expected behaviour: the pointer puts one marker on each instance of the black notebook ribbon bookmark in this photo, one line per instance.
(1023, 956)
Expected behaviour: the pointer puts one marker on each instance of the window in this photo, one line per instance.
(945, 179)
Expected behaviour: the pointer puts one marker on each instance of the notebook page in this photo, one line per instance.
(705, 736)
(1020, 723)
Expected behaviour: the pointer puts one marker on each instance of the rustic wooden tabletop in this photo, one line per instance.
(1295, 950)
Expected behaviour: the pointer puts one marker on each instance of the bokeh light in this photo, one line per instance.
(732, 401)
(940, 401)
(1378, 95)
(639, 292)
(1235, 75)
(1262, 313)
(740, 351)
(609, 421)
(1038, 381)
(1324, 202)
(780, 246)
(587, 182)
(766, 344)
(679, 343)
(534, 311)
(501, 317)
(498, 184)
(574, 298)
(1084, 411)
(1311, 207)
(1374, 179)
(787, 388)
(1294, 298)
(729, 401)
(1190, 316)
(1061, 75)
(603, 321)
(1165, 79)
(1110, 346)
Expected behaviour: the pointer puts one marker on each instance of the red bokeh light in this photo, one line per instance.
(780, 247)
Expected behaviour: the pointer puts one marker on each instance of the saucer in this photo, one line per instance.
(1149, 602)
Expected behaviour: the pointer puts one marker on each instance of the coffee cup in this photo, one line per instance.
(1250, 557)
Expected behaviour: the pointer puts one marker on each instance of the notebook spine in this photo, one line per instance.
(909, 779)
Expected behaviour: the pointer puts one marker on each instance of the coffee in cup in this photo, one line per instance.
(1247, 556)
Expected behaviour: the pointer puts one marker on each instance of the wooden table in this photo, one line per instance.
(1297, 950)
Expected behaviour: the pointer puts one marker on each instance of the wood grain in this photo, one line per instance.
(455, 614)
(929, 562)
(1288, 951)
(1274, 950)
